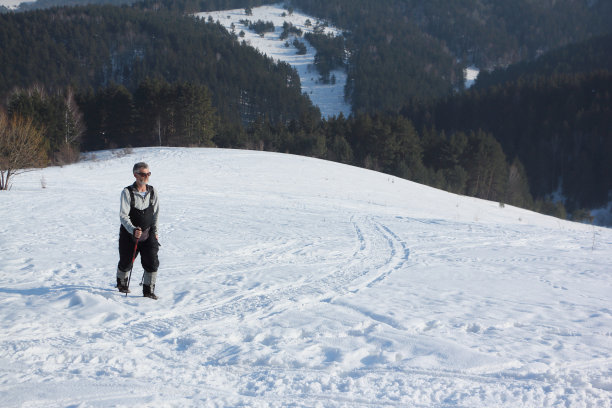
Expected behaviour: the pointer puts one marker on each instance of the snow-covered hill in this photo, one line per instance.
(289, 281)
(328, 97)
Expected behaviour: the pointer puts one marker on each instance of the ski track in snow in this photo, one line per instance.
(288, 281)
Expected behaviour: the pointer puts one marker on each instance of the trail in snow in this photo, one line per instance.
(294, 281)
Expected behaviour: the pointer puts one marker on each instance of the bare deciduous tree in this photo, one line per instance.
(21, 147)
(74, 127)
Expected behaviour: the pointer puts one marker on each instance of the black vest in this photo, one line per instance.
(141, 218)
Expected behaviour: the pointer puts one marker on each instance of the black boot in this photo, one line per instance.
(122, 288)
(147, 291)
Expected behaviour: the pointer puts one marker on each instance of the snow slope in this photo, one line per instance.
(470, 74)
(290, 281)
(328, 97)
(11, 4)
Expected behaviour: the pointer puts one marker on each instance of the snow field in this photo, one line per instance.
(470, 74)
(290, 281)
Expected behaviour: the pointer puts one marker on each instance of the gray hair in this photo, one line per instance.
(138, 166)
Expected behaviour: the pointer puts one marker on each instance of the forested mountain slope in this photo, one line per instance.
(403, 49)
(583, 57)
(554, 113)
(96, 46)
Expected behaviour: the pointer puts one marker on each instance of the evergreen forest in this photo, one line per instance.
(537, 122)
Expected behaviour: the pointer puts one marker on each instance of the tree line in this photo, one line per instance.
(58, 118)
(181, 114)
(558, 126)
(471, 163)
(157, 113)
(582, 57)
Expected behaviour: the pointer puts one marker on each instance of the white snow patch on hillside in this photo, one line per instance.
(470, 74)
(290, 281)
(13, 4)
(328, 97)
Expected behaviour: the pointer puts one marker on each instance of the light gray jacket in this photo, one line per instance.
(141, 204)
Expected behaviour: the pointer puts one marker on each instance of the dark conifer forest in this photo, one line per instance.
(538, 120)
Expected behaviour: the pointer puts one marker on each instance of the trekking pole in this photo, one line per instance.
(130, 275)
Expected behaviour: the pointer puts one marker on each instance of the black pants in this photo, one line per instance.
(147, 249)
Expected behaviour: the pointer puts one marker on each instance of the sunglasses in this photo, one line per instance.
(144, 174)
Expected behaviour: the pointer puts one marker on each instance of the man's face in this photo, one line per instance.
(142, 175)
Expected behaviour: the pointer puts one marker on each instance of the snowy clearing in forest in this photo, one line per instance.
(291, 281)
(328, 97)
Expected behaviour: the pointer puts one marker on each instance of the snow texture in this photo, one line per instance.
(291, 281)
(329, 98)
(470, 74)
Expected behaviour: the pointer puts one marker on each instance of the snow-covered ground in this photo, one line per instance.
(290, 281)
(470, 74)
(328, 97)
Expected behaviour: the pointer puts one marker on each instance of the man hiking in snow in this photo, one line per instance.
(138, 233)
